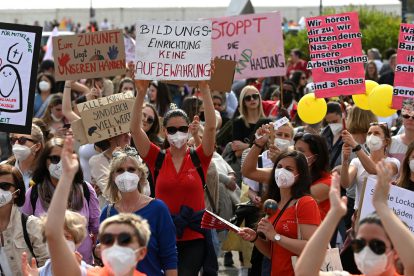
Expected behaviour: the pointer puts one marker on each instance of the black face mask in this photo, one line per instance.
(287, 98)
(201, 116)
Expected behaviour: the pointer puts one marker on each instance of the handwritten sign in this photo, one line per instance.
(89, 55)
(400, 200)
(173, 50)
(254, 41)
(337, 62)
(129, 48)
(19, 57)
(104, 118)
(404, 71)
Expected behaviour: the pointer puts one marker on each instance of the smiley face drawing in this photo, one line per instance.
(10, 89)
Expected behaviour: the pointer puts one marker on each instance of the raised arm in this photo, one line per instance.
(313, 254)
(249, 166)
(366, 162)
(401, 237)
(209, 136)
(138, 134)
(67, 103)
(60, 254)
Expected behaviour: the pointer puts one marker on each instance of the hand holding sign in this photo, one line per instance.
(382, 189)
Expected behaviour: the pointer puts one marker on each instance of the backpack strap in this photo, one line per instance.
(260, 165)
(158, 165)
(34, 194)
(86, 192)
(197, 164)
(26, 237)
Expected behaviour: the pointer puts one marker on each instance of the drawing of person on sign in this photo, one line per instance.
(10, 82)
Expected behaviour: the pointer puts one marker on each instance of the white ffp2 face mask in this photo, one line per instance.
(55, 170)
(284, 178)
(411, 165)
(44, 85)
(127, 182)
(6, 197)
(119, 259)
(335, 128)
(21, 152)
(282, 144)
(370, 263)
(374, 142)
(178, 139)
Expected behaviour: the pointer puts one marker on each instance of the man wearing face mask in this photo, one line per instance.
(332, 133)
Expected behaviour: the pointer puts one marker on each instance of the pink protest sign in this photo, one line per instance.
(336, 55)
(404, 71)
(255, 41)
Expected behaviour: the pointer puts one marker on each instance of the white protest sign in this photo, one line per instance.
(173, 50)
(400, 200)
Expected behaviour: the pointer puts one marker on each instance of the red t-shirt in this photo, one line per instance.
(103, 271)
(307, 213)
(182, 188)
(324, 205)
(298, 66)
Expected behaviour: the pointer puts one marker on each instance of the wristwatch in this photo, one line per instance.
(357, 148)
(277, 237)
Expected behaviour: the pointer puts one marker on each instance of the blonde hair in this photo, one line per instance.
(55, 100)
(111, 189)
(359, 120)
(242, 108)
(140, 226)
(75, 224)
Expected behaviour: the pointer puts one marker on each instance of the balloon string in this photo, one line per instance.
(343, 109)
(281, 92)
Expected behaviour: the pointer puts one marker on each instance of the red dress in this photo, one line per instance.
(307, 213)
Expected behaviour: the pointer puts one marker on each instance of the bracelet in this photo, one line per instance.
(255, 238)
(357, 148)
(257, 145)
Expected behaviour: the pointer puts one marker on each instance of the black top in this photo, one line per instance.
(241, 132)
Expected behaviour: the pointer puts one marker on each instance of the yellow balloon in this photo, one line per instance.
(380, 100)
(361, 100)
(311, 110)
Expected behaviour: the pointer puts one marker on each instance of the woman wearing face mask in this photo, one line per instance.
(75, 232)
(83, 199)
(378, 141)
(289, 185)
(53, 116)
(123, 237)
(13, 224)
(177, 181)
(406, 179)
(127, 176)
(26, 149)
(45, 87)
(381, 238)
(315, 150)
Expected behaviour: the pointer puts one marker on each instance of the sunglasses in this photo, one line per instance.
(5, 186)
(305, 136)
(21, 140)
(54, 159)
(149, 119)
(377, 246)
(406, 116)
(248, 98)
(379, 124)
(172, 130)
(122, 239)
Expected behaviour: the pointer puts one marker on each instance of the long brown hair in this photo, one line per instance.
(405, 177)
(55, 100)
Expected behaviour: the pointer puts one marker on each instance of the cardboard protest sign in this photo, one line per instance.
(173, 50)
(89, 55)
(129, 43)
(400, 200)
(104, 118)
(404, 71)
(254, 41)
(337, 62)
(19, 57)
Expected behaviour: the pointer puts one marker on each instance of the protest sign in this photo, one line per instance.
(104, 118)
(400, 200)
(254, 41)
(129, 43)
(173, 50)
(89, 55)
(335, 48)
(19, 57)
(404, 71)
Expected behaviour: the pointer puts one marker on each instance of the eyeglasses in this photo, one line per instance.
(377, 246)
(406, 116)
(248, 98)
(149, 119)
(54, 159)
(21, 140)
(122, 239)
(172, 130)
(6, 185)
(130, 151)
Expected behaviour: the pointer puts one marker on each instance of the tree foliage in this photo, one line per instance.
(379, 30)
